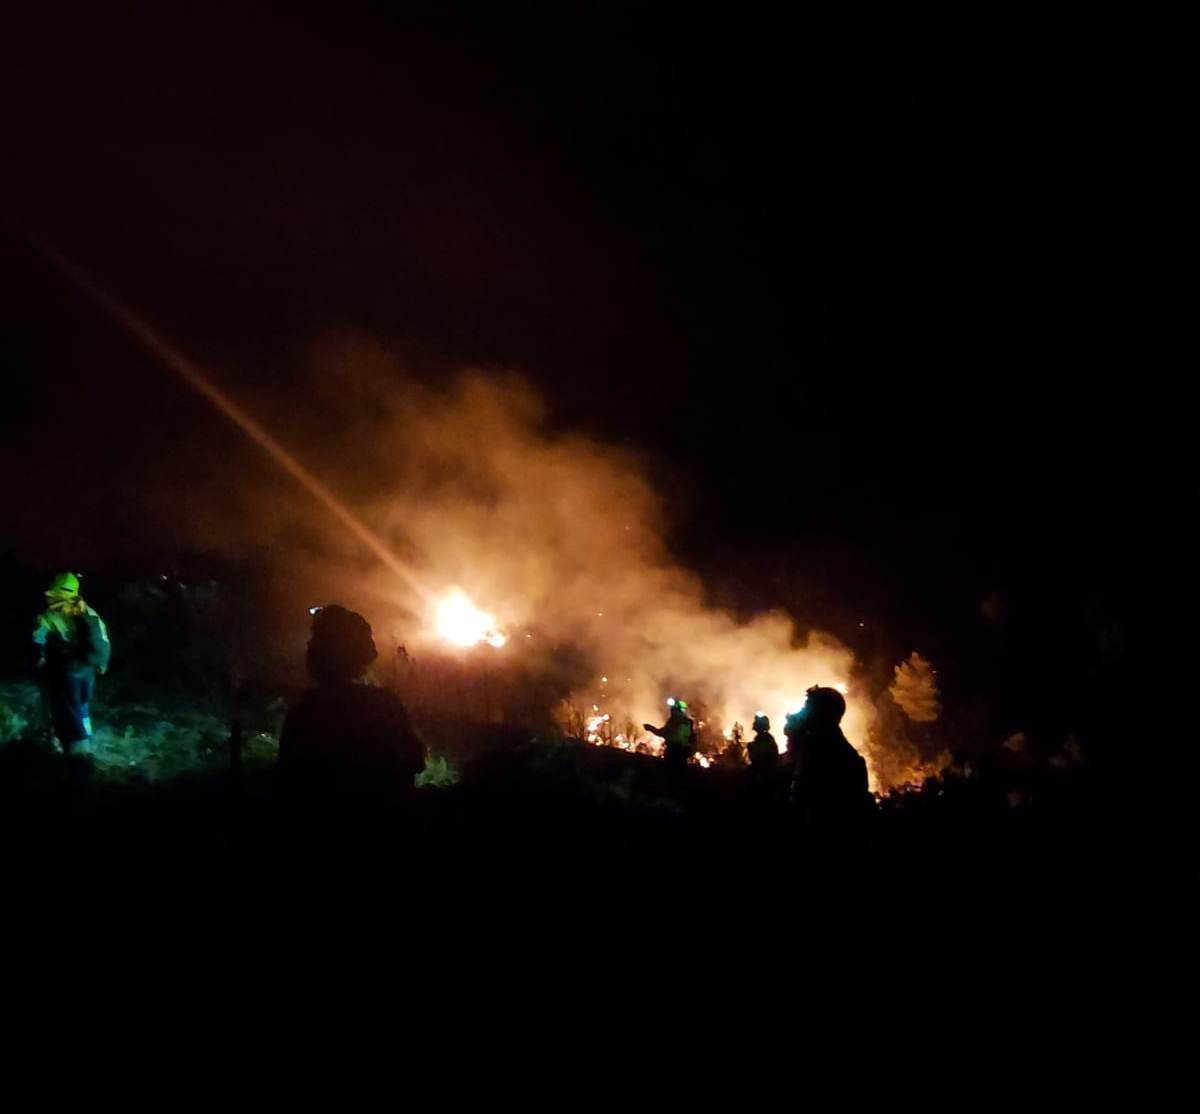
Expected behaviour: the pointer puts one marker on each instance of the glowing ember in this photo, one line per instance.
(461, 623)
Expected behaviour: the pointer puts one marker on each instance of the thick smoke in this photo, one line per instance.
(559, 537)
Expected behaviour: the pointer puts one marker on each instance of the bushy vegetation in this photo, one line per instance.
(161, 741)
(150, 741)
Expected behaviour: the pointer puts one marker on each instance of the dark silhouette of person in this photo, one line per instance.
(345, 736)
(762, 750)
(678, 734)
(829, 777)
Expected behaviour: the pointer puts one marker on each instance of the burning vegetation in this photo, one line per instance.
(540, 558)
(534, 561)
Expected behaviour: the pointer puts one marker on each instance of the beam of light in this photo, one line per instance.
(199, 381)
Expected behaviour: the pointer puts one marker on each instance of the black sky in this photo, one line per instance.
(863, 287)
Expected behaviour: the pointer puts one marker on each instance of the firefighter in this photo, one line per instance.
(763, 751)
(678, 733)
(344, 736)
(829, 777)
(72, 646)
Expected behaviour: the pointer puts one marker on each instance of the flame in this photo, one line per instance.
(598, 731)
(595, 729)
(461, 623)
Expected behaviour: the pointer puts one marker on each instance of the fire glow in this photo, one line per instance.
(458, 621)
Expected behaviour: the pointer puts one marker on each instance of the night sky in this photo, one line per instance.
(859, 289)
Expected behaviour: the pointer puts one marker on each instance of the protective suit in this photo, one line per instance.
(72, 646)
(678, 733)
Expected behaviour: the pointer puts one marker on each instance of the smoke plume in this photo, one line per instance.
(559, 538)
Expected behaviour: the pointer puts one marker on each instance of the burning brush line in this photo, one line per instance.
(604, 717)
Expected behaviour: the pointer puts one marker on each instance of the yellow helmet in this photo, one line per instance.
(65, 586)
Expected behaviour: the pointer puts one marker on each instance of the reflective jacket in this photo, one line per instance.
(72, 637)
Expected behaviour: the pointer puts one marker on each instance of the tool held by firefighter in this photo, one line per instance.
(678, 733)
(72, 646)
